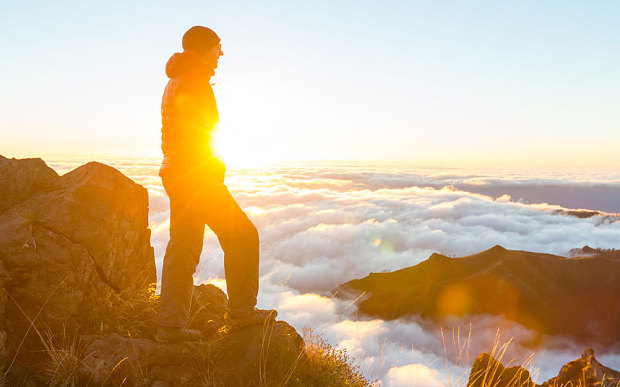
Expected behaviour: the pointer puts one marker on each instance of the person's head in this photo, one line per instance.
(205, 42)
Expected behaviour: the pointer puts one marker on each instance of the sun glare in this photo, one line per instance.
(249, 152)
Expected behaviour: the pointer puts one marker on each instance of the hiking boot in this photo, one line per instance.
(174, 334)
(256, 317)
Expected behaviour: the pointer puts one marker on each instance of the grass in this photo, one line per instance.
(134, 315)
(327, 365)
(130, 313)
(461, 354)
(320, 364)
(495, 374)
(65, 355)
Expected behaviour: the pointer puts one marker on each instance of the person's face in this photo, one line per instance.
(211, 57)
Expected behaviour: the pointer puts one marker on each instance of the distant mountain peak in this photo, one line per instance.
(547, 293)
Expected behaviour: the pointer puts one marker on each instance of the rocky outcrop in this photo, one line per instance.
(222, 357)
(585, 371)
(227, 358)
(587, 251)
(578, 297)
(20, 179)
(64, 240)
(77, 295)
(486, 371)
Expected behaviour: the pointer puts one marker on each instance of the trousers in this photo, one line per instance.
(194, 204)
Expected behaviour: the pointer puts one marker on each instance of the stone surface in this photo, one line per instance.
(237, 358)
(209, 304)
(585, 372)
(20, 179)
(64, 239)
(110, 359)
(76, 246)
(486, 371)
(4, 283)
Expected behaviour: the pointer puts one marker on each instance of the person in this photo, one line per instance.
(194, 181)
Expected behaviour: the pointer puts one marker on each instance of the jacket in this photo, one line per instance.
(189, 115)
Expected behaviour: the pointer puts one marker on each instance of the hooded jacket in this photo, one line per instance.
(189, 115)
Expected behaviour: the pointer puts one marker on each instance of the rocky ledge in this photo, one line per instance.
(78, 304)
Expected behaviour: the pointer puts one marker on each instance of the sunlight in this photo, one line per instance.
(248, 152)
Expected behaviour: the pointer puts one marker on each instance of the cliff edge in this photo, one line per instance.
(78, 305)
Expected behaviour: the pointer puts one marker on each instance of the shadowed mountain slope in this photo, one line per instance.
(549, 294)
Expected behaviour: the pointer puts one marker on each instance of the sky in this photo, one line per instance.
(519, 83)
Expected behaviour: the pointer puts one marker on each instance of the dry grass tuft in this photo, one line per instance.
(326, 365)
(65, 355)
(130, 313)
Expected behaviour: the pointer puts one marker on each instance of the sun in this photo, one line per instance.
(240, 148)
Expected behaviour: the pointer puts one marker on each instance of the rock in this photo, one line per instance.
(66, 239)
(4, 282)
(209, 304)
(21, 179)
(77, 300)
(110, 359)
(486, 371)
(587, 251)
(252, 355)
(237, 358)
(585, 371)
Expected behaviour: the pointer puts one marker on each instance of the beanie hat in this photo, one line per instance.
(200, 39)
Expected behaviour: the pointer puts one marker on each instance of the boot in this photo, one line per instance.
(256, 317)
(174, 334)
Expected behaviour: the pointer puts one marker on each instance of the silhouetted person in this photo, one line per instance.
(194, 180)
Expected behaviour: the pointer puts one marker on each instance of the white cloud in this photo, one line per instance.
(412, 375)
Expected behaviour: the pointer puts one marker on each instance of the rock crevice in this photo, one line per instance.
(98, 269)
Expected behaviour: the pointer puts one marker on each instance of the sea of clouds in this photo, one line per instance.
(324, 224)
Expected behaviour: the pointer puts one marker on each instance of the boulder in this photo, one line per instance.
(209, 304)
(239, 358)
(64, 240)
(77, 299)
(20, 179)
(486, 371)
(585, 371)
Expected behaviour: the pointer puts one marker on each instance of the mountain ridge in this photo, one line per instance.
(550, 294)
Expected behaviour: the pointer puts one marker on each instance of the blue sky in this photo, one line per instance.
(518, 82)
